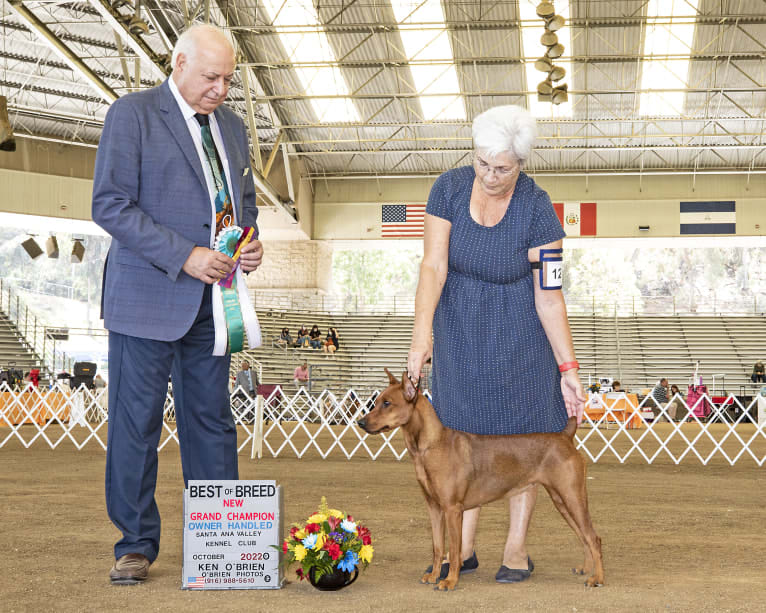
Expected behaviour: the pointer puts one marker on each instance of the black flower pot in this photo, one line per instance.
(332, 581)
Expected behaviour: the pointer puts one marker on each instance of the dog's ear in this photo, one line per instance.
(391, 379)
(409, 390)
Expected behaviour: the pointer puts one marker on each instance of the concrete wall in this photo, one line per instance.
(294, 266)
(55, 180)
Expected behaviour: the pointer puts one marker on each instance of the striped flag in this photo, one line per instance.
(714, 217)
(402, 220)
(577, 218)
(195, 582)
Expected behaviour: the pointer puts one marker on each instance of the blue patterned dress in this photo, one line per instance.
(494, 371)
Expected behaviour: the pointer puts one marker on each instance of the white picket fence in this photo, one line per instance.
(300, 424)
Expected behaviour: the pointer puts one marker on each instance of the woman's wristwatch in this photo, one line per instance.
(569, 366)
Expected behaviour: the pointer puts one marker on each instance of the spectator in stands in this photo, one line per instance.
(284, 338)
(660, 395)
(617, 387)
(303, 337)
(759, 374)
(315, 337)
(676, 402)
(485, 226)
(99, 382)
(301, 375)
(331, 343)
(246, 380)
(660, 392)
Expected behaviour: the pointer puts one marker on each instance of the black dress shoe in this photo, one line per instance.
(515, 575)
(130, 569)
(469, 566)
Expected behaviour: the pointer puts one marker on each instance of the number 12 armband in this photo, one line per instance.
(551, 268)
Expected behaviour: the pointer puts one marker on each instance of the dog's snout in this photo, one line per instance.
(362, 423)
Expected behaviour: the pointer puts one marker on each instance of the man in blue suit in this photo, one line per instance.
(157, 191)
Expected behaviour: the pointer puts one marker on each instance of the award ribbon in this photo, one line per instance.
(228, 243)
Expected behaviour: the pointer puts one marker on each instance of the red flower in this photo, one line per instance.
(284, 546)
(364, 534)
(299, 572)
(334, 522)
(312, 528)
(333, 549)
(293, 530)
(350, 518)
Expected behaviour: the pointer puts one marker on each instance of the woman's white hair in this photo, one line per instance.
(509, 128)
(187, 42)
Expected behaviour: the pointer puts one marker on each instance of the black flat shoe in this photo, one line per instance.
(515, 575)
(469, 566)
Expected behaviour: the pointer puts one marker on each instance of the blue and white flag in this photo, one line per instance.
(710, 217)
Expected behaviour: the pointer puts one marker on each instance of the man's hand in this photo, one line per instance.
(251, 256)
(207, 265)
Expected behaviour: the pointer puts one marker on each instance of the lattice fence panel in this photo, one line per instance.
(300, 424)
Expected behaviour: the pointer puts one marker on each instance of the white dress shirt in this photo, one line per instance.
(196, 134)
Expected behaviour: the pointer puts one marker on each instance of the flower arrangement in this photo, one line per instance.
(329, 539)
(594, 388)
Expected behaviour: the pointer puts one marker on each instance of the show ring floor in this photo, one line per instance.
(675, 538)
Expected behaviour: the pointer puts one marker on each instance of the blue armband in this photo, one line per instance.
(551, 268)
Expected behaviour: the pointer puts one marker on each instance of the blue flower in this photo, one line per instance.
(348, 526)
(349, 562)
(310, 541)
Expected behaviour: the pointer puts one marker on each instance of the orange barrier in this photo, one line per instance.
(620, 410)
(30, 407)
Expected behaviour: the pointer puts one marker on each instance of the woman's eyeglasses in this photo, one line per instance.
(500, 170)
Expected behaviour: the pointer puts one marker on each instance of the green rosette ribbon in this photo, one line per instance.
(226, 243)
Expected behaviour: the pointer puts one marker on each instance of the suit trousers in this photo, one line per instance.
(138, 384)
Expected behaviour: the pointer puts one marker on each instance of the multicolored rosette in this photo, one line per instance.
(227, 242)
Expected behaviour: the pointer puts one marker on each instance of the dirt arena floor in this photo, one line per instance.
(675, 538)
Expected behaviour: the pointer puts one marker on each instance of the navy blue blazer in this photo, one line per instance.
(150, 195)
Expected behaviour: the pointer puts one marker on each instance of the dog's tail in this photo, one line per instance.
(571, 428)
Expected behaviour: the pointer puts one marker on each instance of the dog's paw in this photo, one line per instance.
(446, 585)
(430, 578)
(594, 582)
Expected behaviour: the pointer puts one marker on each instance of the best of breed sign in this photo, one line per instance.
(229, 530)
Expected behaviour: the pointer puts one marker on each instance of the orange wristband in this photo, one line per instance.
(568, 366)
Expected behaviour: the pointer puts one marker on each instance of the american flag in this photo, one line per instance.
(195, 582)
(402, 220)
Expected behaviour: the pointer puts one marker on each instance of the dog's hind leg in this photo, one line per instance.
(437, 536)
(569, 492)
(558, 502)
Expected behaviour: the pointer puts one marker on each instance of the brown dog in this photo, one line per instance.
(459, 471)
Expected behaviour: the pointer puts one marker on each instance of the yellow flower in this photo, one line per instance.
(321, 537)
(338, 514)
(365, 553)
(300, 552)
(300, 535)
(317, 518)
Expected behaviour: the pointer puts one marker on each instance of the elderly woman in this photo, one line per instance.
(503, 359)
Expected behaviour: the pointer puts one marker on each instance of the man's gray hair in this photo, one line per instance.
(187, 42)
(509, 128)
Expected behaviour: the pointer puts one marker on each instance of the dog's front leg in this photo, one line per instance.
(454, 516)
(437, 537)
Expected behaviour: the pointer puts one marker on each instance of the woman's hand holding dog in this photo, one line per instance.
(420, 351)
(574, 398)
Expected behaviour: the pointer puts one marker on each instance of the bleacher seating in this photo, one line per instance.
(636, 350)
(13, 350)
